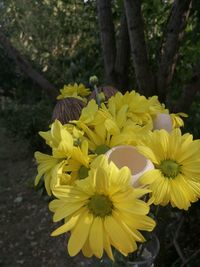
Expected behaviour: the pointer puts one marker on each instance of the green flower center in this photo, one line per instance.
(77, 142)
(169, 168)
(100, 205)
(102, 149)
(83, 172)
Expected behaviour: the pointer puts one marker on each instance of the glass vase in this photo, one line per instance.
(146, 254)
(143, 257)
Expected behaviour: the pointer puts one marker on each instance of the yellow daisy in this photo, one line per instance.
(176, 178)
(62, 171)
(76, 90)
(59, 175)
(79, 161)
(102, 211)
(135, 106)
(59, 139)
(103, 131)
(155, 107)
(104, 136)
(88, 113)
(177, 121)
(46, 163)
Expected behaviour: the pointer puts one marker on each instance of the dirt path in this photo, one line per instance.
(25, 221)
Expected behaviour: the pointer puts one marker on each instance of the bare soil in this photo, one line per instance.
(25, 221)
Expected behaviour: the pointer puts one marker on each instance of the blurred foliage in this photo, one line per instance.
(61, 39)
(24, 121)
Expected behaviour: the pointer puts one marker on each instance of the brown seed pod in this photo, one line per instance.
(67, 109)
(107, 90)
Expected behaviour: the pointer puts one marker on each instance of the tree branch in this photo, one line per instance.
(107, 38)
(189, 92)
(26, 67)
(123, 56)
(169, 52)
(143, 74)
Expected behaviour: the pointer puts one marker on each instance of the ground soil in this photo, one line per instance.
(25, 220)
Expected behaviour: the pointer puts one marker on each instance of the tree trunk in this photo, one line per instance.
(123, 57)
(169, 52)
(26, 67)
(189, 92)
(144, 76)
(107, 39)
(116, 59)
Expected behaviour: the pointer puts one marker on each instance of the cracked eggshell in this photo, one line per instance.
(130, 157)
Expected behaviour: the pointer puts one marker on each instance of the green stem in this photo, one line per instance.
(97, 95)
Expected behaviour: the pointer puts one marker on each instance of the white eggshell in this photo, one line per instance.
(130, 157)
(163, 121)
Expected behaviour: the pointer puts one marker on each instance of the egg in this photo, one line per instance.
(129, 156)
(163, 121)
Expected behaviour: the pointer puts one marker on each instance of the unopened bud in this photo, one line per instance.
(93, 80)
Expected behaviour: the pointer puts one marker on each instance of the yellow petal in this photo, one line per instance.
(119, 238)
(107, 245)
(80, 234)
(54, 204)
(87, 252)
(46, 163)
(66, 210)
(69, 225)
(136, 207)
(148, 153)
(134, 234)
(69, 192)
(96, 237)
(149, 177)
(162, 192)
(177, 196)
(47, 182)
(101, 181)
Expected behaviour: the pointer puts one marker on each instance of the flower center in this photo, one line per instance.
(100, 205)
(102, 149)
(169, 168)
(83, 172)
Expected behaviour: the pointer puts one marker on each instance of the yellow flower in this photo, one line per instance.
(59, 139)
(79, 161)
(76, 90)
(177, 121)
(76, 133)
(176, 178)
(89, 112)
(59, 176)
(103, 131)
(46, 163)
(155, 107)
(135, 106)
(59, 172)
(102, 211)
(70, 156)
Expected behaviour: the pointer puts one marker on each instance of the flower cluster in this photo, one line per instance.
(78, 91)
(95, 194)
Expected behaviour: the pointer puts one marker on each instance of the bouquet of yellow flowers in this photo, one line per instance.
(107, 167)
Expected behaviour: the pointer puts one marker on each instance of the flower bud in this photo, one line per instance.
(93, 80)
